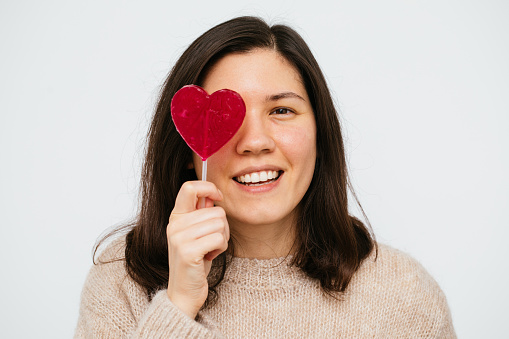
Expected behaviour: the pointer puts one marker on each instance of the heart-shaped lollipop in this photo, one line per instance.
(207, 122)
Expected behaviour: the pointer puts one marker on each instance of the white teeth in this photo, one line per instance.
(257, 177)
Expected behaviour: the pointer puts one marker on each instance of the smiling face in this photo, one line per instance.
(266, 168)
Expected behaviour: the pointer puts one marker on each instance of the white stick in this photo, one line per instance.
(204, 170)
(202, 201)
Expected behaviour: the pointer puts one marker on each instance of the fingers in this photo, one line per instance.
(197, 224)
(189, 226)
(195, 237)
(213, 255)
(191, 191)
(212, 243)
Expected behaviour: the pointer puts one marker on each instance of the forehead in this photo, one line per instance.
(258, 70)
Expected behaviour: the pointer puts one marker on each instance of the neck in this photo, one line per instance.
(263, 241)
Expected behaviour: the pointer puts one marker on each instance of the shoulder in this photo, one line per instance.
(398, 274)
(109, 269)
(406, 293)
(389, 265)
(109, 295)
(109, 273)
(109, 265)
(108, 281)
(114, 250)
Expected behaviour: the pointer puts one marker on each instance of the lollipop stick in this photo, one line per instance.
(202, 201)
(204, 170)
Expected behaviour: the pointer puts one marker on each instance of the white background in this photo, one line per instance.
(423, 91)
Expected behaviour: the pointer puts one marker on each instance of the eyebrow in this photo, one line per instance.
(284, 95)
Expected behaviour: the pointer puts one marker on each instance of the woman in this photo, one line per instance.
(274, 253)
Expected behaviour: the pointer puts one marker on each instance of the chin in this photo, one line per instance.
(261, 218)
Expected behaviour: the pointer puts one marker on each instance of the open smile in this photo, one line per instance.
(258, 178)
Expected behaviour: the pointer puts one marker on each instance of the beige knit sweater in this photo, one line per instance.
(392, 297)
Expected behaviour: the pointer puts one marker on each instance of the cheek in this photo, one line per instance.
(299, 144)
(216, 164)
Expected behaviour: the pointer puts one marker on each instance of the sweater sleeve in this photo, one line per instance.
(164, 320)
(113, 306)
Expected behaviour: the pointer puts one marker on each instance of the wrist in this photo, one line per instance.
(184, 305)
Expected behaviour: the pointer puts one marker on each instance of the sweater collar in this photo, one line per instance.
(264, 274)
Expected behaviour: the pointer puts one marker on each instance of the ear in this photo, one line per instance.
(190, 165)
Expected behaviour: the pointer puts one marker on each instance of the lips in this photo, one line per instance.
(258, 178)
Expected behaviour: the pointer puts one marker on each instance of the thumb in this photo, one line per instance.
(192, 191)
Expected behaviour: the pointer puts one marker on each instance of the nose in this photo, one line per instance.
(254, 136)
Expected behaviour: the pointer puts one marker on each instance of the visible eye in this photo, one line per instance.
(281, 110)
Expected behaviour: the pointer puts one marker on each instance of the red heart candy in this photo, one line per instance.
(207, 122)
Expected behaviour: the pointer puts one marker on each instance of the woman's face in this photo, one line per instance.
(266, 168)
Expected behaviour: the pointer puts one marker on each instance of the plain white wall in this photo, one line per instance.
(423, 91)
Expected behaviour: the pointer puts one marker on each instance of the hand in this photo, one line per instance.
(195, 238)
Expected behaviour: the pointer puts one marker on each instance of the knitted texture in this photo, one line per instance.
(390, 297)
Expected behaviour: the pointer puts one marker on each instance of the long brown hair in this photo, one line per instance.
(330, 244)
